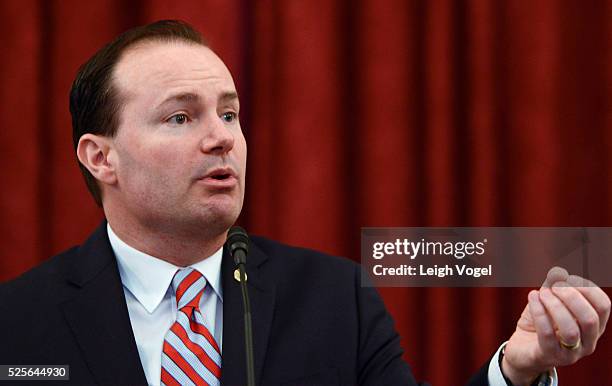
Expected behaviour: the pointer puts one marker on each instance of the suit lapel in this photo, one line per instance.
(261, 295)
(98, 315)
(99, 319)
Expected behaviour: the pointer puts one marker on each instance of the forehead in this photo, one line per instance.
(151, 70)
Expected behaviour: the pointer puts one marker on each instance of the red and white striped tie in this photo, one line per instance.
(190, 354)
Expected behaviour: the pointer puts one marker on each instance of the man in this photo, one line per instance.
(150, 297)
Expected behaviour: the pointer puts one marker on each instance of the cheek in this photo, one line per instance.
(166, 168)
(155, 166)
(241, 150)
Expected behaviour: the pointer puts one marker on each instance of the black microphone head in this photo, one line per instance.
(238, 243)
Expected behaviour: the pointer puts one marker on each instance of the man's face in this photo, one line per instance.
(180, 152)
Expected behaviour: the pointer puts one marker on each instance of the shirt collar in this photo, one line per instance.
(148, 277)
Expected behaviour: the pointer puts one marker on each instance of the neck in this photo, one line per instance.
(178, 247)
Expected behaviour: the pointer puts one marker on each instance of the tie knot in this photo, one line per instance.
(188, 286)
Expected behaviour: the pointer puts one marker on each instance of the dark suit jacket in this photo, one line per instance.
(313, 323)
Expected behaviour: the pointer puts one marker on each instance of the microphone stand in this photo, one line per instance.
(248, 328)
(238, 241)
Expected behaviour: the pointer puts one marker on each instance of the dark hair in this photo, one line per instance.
(95, 102)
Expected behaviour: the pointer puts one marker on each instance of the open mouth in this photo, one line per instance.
(221, 177)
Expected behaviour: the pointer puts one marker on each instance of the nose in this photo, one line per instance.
(218, 138)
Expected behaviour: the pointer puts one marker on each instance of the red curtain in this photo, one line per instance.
(357, 113)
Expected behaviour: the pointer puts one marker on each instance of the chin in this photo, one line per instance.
(219, 218)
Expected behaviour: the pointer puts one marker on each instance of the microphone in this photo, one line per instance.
(238, 243)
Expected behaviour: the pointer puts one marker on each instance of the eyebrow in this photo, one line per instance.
(192, 97)
(228, 96)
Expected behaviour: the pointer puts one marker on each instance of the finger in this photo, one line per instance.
(582, 311)
(554, 275)
(567, 328)
(543, 325)
(596, 296)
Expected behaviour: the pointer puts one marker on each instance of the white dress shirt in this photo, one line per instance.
(151, 300)
(152, 305)
(495, 374)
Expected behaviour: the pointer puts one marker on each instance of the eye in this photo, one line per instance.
(229, 116)
(178, 119)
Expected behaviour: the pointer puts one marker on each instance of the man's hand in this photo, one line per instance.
(560, 324)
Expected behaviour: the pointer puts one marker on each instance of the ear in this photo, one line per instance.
(95, 153)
